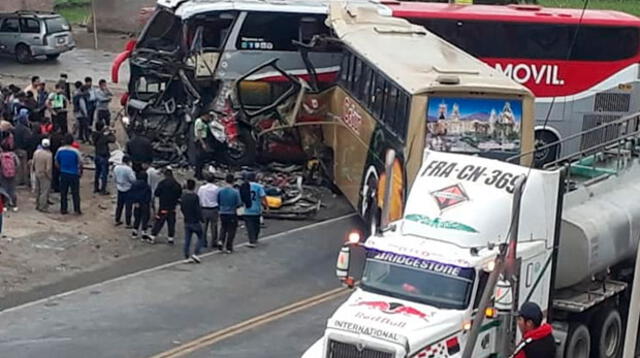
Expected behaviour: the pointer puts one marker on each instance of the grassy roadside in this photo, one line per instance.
(628, 6)
(75, 11)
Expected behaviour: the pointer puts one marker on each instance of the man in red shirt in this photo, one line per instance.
(537, 338)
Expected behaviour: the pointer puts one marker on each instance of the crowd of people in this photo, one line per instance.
(41, 150)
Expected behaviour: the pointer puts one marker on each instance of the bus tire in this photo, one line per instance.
(544, 137)
(245, 152)
(578, 343)
(372, 214)
(607, 334)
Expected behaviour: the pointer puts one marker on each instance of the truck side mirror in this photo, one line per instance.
(343, 264)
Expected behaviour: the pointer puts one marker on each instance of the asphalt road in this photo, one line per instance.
(153, 311)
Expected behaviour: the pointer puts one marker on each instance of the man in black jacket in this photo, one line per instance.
(168, 193)
(140, 149)
(102, 137)
(537, 338)
(190, 207)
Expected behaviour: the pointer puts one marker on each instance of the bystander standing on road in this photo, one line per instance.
(154, 176)
(208, 195)
(168, 193)
(254, 198)
(102, 137)
(81, 111)
(58, 105)
(201, 135)
(537, 337)
(92, 98)
(42, 163)
(22, 136)
(192, 213)
(139, 149)
(33, 85)
(41, 101)
(228, 202)
(140, 196)
(69, 160)
(103, 98)
(124, 177)
(9, 163)
(57, 139)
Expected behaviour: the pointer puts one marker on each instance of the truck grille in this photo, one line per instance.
(603, 135)
(612, 102)
(345, 350)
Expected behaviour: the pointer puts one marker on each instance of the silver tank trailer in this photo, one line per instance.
(600, 227)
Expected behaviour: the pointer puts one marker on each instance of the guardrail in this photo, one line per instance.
(606, 138)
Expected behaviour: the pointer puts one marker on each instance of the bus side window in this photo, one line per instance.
(364, 84)
(378, 96)
(355, 77)
(345, 69)
(391, 101)
(401, 114)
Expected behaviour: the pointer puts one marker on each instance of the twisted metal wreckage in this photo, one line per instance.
(284, 131)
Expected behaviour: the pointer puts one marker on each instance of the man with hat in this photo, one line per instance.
(537, 338)
(42, 168)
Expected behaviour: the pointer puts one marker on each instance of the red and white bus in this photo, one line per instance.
(596, 83)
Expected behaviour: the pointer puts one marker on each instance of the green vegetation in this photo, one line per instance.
(75, 11)
(628, 6)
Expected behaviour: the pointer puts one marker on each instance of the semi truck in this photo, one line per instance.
(566, 235)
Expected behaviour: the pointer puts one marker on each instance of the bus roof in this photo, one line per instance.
(413, 57)
(186, 9)
(515, 13)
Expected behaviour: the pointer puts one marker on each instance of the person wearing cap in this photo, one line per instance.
(201, 134)
(41, 166)
(537, 337)
(168, 193)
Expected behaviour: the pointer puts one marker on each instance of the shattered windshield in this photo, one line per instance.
(163, 33)
(428, 282)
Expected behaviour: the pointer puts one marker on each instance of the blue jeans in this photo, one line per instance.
(189, 230)
(102, 173)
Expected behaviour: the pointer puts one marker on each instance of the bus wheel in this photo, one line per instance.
(372, 214)
(546, 155)
(243, 152)
(607, 334)
(578, 343)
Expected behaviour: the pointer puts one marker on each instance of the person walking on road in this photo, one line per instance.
(124, 177)
(228, 202)
(254, 198)
(140, 196)
(102, 137)
(69, 161)
(192, 213)
(41, 166)
(168, 193)
(537, 338)
(208, 195)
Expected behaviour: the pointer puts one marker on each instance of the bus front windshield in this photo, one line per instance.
(428, 282)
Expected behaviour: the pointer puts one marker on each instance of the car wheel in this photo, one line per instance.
(23, 54)
(53, 57)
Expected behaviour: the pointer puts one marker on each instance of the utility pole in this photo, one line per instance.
(95, 24)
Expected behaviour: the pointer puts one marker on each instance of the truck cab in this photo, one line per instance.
(424, 275)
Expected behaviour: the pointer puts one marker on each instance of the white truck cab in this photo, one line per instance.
(424, 275)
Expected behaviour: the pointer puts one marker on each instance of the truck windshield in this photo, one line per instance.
(163, 32)
(428, 282)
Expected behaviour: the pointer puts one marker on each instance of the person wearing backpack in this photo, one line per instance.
(8, 169)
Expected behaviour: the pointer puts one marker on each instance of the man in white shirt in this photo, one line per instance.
(124, 178)
(154, 177)
(208, 195)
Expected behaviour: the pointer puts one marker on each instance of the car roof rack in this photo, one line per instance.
(34, 12)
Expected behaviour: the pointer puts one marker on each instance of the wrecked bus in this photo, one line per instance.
(402, 89)
(189, 54)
